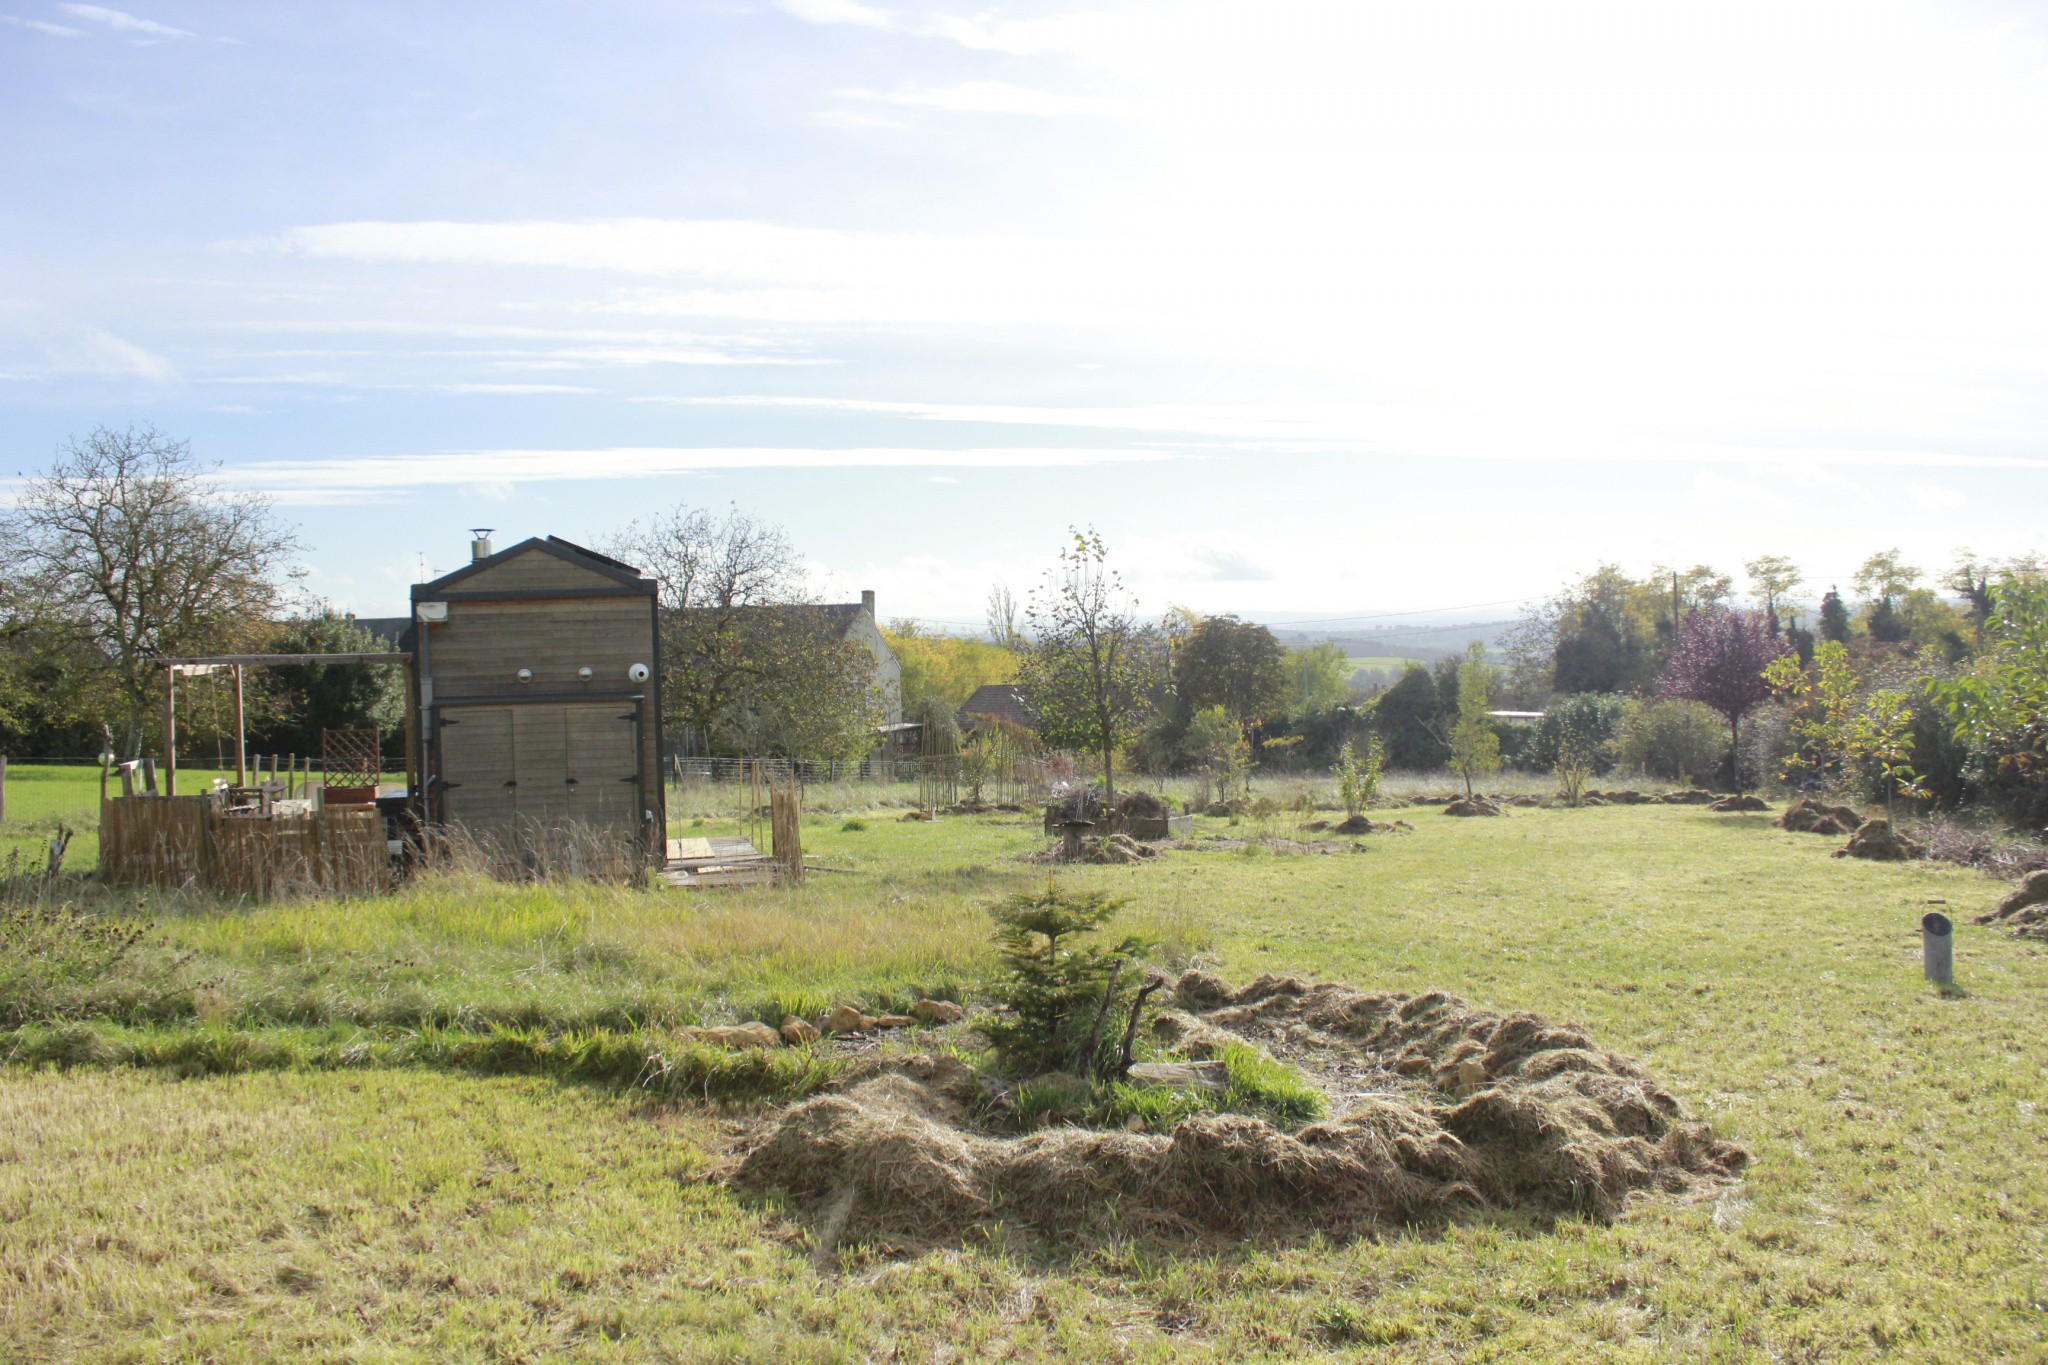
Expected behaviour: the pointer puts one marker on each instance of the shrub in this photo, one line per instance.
(1358, 779)
(1670, 739)
(853, 825)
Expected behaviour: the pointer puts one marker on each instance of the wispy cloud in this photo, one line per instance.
(1229, 566)
(987, 97)
(123, 22)
(40, 26)
(379, 478)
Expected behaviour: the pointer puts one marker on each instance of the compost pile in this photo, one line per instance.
(1436, 1109)
(1808, 816)
(2025, 909)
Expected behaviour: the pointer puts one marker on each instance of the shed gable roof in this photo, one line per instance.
(590, 561)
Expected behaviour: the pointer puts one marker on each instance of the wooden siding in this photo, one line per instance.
(480, 649)
(536, 569)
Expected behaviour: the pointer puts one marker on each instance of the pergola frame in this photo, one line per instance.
(205, 665)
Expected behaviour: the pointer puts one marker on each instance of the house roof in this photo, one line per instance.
(554, 545)
(1003, 701)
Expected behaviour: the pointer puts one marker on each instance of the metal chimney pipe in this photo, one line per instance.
(480, 548)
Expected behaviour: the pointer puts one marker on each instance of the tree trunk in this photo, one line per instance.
(1735, 752)
(1109, 776)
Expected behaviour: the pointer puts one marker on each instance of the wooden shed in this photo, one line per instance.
(536, 702)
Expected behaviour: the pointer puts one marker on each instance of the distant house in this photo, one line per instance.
(856, 621)
(996, 701)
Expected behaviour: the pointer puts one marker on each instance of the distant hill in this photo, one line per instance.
(1425, 642)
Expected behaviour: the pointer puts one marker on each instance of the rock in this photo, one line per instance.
(753, 1035)
(938, 1011)
(848, 1019)
(1738, 803)
(892, 1021)
(1180, 1075)
(1876, 841)
(797, 1032)
(1814, 817)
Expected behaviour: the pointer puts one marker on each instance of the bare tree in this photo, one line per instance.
(1002, 616)
(750, 661)
(133, 546)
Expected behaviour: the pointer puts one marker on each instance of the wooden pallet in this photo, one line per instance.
(722, 861)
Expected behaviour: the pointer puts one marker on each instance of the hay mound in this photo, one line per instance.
(1692, 797)
(1474, 805)
(2024, 907)
(1435, 1108)
(1109, 850)
(1808, 816)
(1876, 840)
(1354, 824)
(1738, 803)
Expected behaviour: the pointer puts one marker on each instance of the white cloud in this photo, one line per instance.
(837, 12)
(378, 478)
(122, 22)
(1937, 498)
(987, 97)
(47, 29)
(1228, 566)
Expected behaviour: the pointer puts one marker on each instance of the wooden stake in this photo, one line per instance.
(170, 731)
(241, 734)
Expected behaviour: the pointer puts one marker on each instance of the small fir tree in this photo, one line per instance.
(1834, 617)
(1058, 984)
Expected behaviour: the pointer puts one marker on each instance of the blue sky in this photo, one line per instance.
(1310, 308)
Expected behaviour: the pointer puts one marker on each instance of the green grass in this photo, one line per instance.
(412, 1205)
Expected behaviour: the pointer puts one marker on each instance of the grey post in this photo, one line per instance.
(1938, 948)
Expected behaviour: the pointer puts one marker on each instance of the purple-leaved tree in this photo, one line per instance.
(1719, 660)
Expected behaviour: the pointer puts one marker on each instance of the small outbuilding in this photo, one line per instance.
(536, 701)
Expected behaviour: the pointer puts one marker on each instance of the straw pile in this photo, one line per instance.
(1460, 1110)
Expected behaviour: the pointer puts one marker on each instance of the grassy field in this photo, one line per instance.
(362, 1184)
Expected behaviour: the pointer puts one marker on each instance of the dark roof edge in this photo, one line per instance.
(560, 549)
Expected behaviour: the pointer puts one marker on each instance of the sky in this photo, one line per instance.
(1314, 310)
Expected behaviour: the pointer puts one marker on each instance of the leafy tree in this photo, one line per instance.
(1057, 984)
(1092, 666)
(947, 667)
(1234, 664)
(1475, 748)
(1718, 660)
(1408, 716)
(2000, 706)
(1773, 578)
(1218, 748)
(129, 546)
(1318, 678)
(1885, 576)
(295, 702)
(1834, 618)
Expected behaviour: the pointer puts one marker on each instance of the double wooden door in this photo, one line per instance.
(522, 774)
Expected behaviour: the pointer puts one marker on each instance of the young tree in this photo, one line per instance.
(1475, 748)
(1358, 778)
(1718, 660)
(130, 545)
(2000, 707)
(1823, 698)
(1092, 665)
(1774, 579)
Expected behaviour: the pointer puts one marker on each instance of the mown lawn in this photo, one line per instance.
(1896, 1204)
